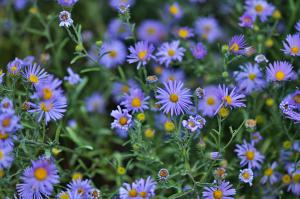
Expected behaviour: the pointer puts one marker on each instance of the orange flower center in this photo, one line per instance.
(218, 194)
(174, 98)
(279, 75)
(123, 121)
(136, 102)
(132, 193)
(250, 155)
(40, 174)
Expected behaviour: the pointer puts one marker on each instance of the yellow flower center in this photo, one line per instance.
(279, 75)
(210, 101)
(171, 77)
(143, 194)
(218, 194)
(123, 121)
(142, 54)
(183, 33)
(250, 155)
(246, 175)
(297, 98)
(125, 89)
(268, 172)
(6, 122)
(1, 155)
(295, 50)
(33, 78)
(286, 179)
(171, 52)
(80, 191)
(259, 8)
(151, 31)
(136, 102)
(169, 126)
(296, 178)
(113, 54)
(77, 176)
(132, 193)
(252, 76)
(228, 99)
(64, 196)
(46, 108)
(174, 98)
(1, 173)
(191, 124)
(40, 174)
(14, 68)
(158, 70)
(173, 10)
(3, 136)
(234, 47)
(223, 112)
(47, 93)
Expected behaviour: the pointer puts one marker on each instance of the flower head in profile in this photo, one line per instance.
(237, 44)
(246, 176)
(34, 74)
(232, 98)
(169, 52)
(112, 53)
(270, 175)
(220, 191)
(280, 71)
(297, 26)
(73, 77)
(174, 99)
(198, 50)
(140, 53)
(135, 101)
(122, 119)
(249, 156)
(65, 19)
(39, 179)
(292, 45)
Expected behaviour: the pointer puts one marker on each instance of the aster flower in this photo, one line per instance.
(248, 155)
(112, 53)
(9, 122)
(250, 78)
(294, 99)
(128, 191)
(280, 71)
(141, 53)
(261, 58)
(198, 50)
(246, 176)
(81, 187)
(270, 174)
(237, 44)
(260, 8)
(146, 188)
(38, 180)
(117, 29)
(294, 186)
(73, 77)
(65, 19)
(255, 138)
(6, 106)
(169, 52)
(121, 5)
(6, 156)
(135, 101)
(194, 123)
(232, 99)
(210, 102)
(67, 3)
(247, 20)
(207, 28)
(95, 103)
(184, 32)
(122, 119)
(172, 75)
(48, 89)
(223, 190)
(215, 155)
(175, 10)
(151, 31)
(14, 67)
(293, 116)
(120, 89)
(34, 74)
(174, 99)
(292, 45)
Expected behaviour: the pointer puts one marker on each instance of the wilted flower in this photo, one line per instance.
(65, 19)
(163, 174)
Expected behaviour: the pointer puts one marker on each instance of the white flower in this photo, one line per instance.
(261, 58)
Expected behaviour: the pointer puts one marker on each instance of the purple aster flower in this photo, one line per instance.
(52, 109)
(207, 28)
(120, 89)
(232, 99)
(261, 58)
(20, 4)
(146, 188)
(81, 187)
(255, 138)
(194, 123)
(260, 8)
(9, 122)
(248, 155)
(129, 191)
(67, 3)
(215, 155)
(175, 10)
(65, 19)
(184, 32)
(293, 116)
(135, 101)
(169, 52)
(198, 50)
(223, 190)
(293, 100)
(292, 45)
(294, 186)
(14, 67)
(210, 102)
(247, 20)
(270, 174)
(122, 119)
(117, 29)
(48, 89)
(6, 156)
(237, 45)
(7, 138)
(174, 98)
(34, 74)
(151, 31)
(6, 106)
(280, 71)
(38, 180)
(246, 176)
(286, 107)
(141, 53)
(297, 26)
(121, 5)
(28, 60)
(95, 103)
(172, 75)
(112, 53)
(250, 78)
(73, 77)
